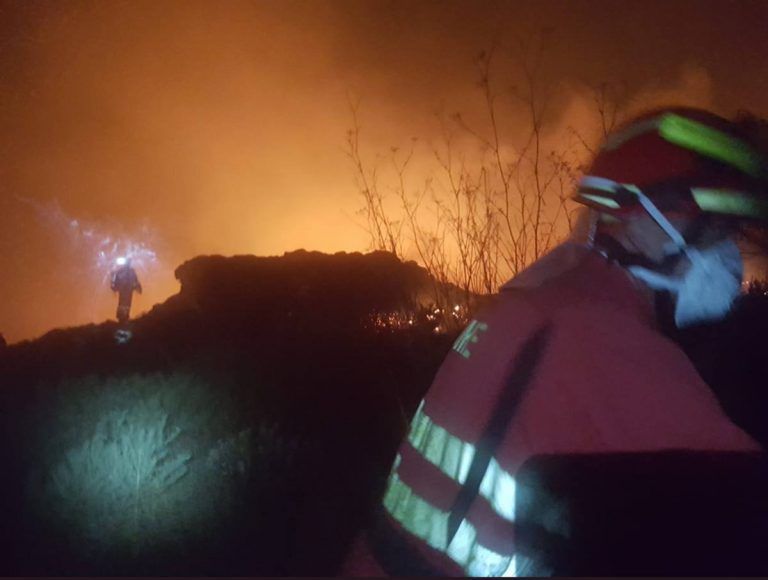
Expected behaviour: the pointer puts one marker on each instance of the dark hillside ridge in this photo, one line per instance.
(225, 301)
(302, 283)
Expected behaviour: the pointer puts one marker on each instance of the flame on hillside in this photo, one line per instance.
(435, 320)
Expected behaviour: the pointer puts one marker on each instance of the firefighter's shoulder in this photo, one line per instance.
(474, 371)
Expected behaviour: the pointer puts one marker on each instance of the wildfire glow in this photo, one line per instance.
(224, 125)
(437, 320)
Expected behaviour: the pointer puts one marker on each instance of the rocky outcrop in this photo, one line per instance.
(310, 285)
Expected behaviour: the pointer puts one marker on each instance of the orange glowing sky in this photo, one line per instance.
(221, 125)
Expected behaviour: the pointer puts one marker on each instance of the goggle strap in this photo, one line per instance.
(658, 217)
(610, 186)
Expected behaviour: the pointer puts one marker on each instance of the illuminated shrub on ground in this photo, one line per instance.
(121, 486)
(135, 467)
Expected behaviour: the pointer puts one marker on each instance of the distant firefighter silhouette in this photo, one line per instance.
(125, 283)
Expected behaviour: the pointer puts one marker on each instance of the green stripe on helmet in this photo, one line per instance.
(600, 200)
(694, 136)
(710, 142)
(730, 202)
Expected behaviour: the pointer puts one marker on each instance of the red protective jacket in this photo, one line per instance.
(568, 360)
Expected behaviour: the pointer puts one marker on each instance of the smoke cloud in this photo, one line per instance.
(222, 125)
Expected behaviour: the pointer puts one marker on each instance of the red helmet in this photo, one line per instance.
(686, 161)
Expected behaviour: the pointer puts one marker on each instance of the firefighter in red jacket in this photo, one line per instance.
(570, 359)
(125, 282)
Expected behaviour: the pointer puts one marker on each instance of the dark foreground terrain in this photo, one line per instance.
(249, 425)
(245, 429)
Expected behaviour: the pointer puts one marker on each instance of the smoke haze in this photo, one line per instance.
(219, 127)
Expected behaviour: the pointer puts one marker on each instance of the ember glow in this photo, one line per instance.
(436, 320)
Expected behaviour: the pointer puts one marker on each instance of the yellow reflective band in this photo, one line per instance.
(429, 523)
(728, 201)
(606, 201)
(453, 457)
(469, 335)
(476, 559)
(709, 142)
(463, 543)
(511, 571)
(415, 514)
(499, 488)
(450, 454)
